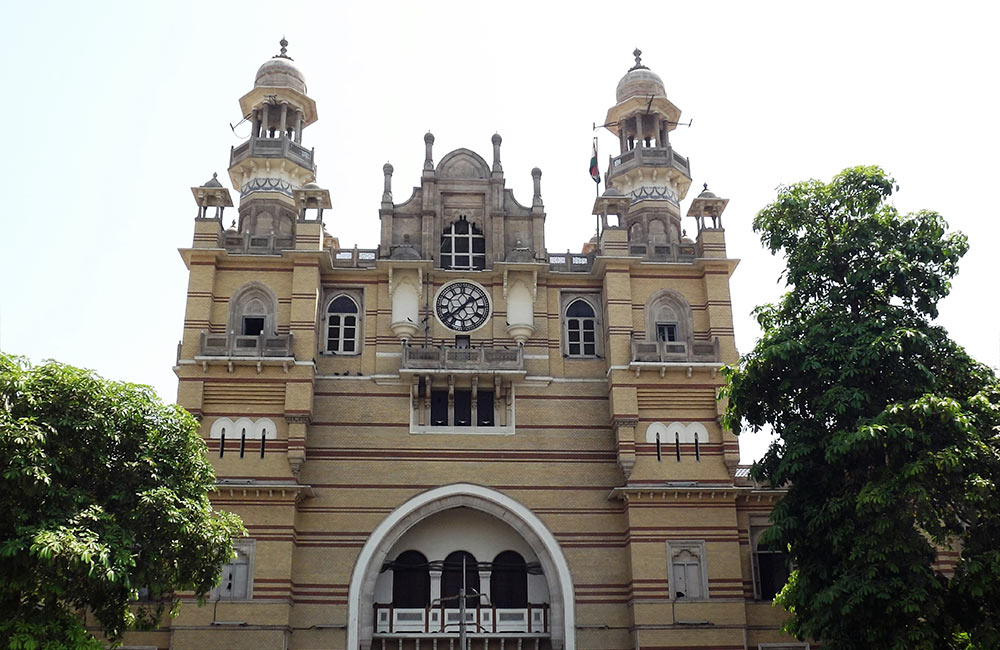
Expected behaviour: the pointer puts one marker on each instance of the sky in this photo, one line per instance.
(116, 109)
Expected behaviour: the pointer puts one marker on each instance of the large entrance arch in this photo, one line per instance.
(360, 624)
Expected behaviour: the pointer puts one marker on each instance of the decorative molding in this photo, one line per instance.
(655, 193)
(266, 185)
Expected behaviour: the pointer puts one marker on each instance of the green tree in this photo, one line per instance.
(103, 490)
(888, 437)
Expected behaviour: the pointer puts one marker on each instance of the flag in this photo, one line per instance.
(594, 173)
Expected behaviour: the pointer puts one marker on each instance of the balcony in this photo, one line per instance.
(675, 351)
(273, 148)
(650, 157)
(483, 622)
(472, 359)
(239, 346)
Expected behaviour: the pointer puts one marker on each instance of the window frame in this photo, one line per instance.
(593, 301)
(357, 297)
(697, 549)
(248, 548)
(473, 235)
(756, 530)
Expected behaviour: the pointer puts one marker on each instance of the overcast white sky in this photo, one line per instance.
(112, 111)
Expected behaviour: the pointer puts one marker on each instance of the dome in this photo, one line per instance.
(311, 186)
(612, 192)
(706, 193)
(639, 81)
(280, 71)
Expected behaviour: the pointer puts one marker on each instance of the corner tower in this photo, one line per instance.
(273, 163)
(648, 170)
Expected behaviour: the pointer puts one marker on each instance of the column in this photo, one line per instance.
(284, 118)
(638, 130)
(265, 120)
(298, 126)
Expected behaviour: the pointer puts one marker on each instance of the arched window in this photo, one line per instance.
(451, 579)
(509, 581)
(687, 575)
(463, 246)
(252, 311)
(771, 567)
(411, 581)
(581, 329)
(237, 575)
(342, 326)
(635, 233)
(668, 318)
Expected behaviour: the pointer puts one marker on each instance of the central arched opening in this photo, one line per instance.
(453, 540)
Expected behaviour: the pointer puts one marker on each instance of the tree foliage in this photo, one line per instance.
(888, 432)
(103, 490)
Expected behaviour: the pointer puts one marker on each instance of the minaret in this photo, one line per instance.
(648, 170)
(272, 164)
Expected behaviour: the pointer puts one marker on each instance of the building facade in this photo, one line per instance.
(459, 425)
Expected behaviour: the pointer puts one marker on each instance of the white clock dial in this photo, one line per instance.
(462, 306)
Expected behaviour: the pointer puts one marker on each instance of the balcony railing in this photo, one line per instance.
(651, 157)
(482, 620)
(354, 257)
(257, 245)
(663, 252)
(448, 357)
(263, 345)
(675, 351)
(571, 262)
(273, 148)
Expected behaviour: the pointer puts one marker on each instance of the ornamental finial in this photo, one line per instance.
(637, 53)
(283, 54)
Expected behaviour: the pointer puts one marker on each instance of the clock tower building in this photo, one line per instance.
(456, 436)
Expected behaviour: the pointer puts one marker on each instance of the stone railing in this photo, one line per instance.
(263, 345)
(571, 262)
(446, 357)
(272, 148)
(651, 157)
(675, 351)
(256, 244)
(664, 252)
(354, 257)
(479, 621)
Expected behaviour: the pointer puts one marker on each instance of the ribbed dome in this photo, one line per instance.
(280, 72)
(641, 81)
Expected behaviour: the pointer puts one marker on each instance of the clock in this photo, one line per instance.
(462, 306)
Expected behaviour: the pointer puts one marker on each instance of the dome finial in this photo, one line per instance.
(283, 54)
(704, 187)
(637, 53)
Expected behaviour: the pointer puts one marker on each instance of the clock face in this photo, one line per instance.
(462, 306)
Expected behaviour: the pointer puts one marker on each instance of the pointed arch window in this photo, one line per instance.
(411, 582)
(509, 581)
(451, 579)
(342, 325)
(581, 329)
(463, 246)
